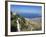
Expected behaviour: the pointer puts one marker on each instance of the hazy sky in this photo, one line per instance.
(26, 9)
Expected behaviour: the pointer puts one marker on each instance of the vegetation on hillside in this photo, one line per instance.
(25, 25)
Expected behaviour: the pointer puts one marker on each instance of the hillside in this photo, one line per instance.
(25, 24)
(35, 23)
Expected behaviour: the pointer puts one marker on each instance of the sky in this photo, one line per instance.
(26, 9)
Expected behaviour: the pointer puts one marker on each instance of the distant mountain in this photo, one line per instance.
(37, 19)
(29, 15)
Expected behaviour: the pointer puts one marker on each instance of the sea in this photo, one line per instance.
(30, 15)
